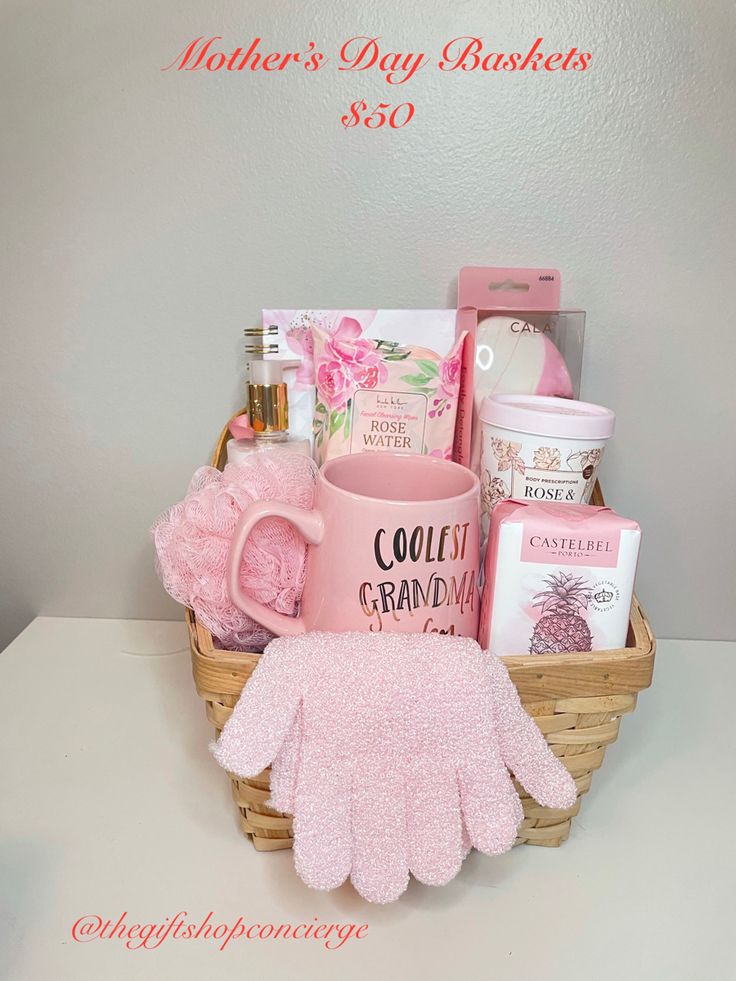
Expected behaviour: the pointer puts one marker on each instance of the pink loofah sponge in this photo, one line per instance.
(193, 538)
(391, 751)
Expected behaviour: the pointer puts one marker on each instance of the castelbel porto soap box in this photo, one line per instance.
(558, 578)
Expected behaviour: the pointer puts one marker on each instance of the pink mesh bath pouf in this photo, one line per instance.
(193, 537)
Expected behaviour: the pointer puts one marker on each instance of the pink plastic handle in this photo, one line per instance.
(307, 523)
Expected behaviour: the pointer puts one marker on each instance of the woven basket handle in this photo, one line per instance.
(309, 524)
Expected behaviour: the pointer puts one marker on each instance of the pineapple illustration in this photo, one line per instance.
(561, 628)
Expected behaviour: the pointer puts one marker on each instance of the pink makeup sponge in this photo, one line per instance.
(511, 360)
(515, 361)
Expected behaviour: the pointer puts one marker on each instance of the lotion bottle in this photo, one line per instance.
(268, 412)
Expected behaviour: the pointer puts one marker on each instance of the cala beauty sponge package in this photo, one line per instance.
(524, 344)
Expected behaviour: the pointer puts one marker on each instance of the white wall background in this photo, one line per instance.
(147, 217)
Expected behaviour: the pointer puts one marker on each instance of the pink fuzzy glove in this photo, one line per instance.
(391, 751)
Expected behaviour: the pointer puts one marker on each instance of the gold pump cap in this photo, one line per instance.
(268, 404)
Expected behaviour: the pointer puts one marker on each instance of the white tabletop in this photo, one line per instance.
(111, 805)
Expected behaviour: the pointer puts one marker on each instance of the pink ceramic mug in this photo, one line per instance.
(393, 545)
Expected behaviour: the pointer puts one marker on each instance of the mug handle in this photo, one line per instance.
(309, 524)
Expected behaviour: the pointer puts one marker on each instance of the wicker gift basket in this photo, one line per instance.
(577, 701)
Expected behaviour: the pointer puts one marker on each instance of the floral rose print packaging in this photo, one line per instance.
(381, 396)
(538, 448)
(291, 341)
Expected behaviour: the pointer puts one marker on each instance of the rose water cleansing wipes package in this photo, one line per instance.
(559, 578)
(427, 391)
(379, 395)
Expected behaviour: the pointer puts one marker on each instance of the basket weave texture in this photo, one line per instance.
(577, 701)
